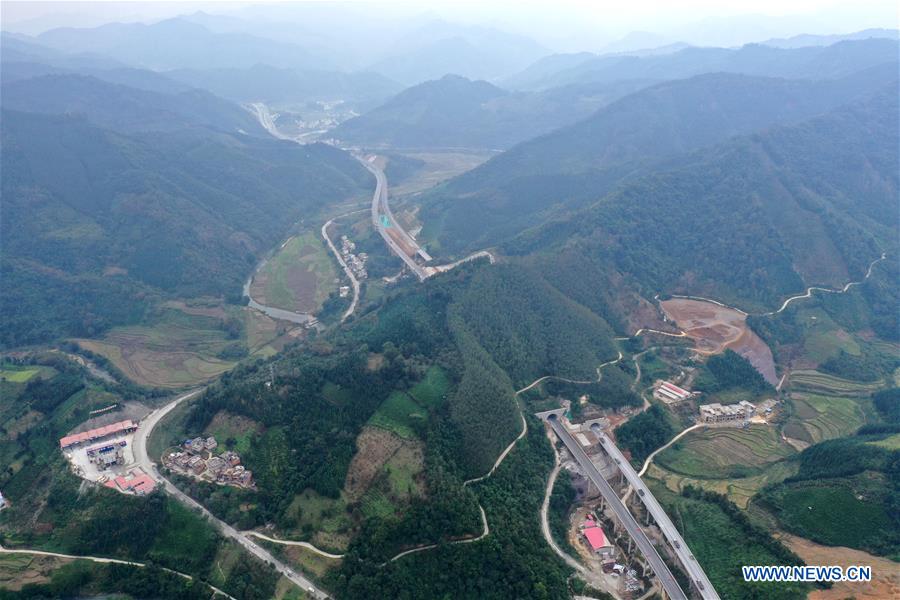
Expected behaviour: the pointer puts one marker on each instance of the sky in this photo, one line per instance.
(559, 24)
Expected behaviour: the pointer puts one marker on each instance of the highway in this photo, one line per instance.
(142, 459)
(666, 579)
(380, 207)
(687, 560)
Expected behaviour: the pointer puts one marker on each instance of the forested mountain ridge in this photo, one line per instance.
(558, 172)
(749, 222)
(105, 217)
(811, 62)
(454, 112)
(126, 108)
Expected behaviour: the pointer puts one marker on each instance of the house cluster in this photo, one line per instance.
(356, 262)
(670, 393)
(717, 413)
(196, 458)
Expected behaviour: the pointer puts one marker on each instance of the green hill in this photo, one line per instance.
(557, 173)
(107, 219)
(738, 222)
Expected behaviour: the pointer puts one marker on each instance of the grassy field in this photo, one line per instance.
(837, 512)
(814, 381)
(299, 277)
(225, 426)
(325, 522)
(725, 453)
(430, 392)
(890, 442)
(180, 349)
(818, 417)
(399, 414)
(823, 337)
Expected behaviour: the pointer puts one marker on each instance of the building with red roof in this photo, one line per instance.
(598, 541)
(92, 435)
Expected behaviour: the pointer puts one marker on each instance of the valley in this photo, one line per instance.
(442, 314)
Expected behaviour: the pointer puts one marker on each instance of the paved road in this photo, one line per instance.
(101, 559)
(142, 459)
(306, 545)
(687, 560)
(380, 207)
(347, 270)
(666, 579)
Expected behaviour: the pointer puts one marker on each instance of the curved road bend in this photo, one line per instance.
(143, 460)
(380, 207)
(100, 559)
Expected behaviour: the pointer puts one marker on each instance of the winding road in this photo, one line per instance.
(142, 459)
(101, 559)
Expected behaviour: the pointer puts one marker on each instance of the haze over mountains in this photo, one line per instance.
(367, 248)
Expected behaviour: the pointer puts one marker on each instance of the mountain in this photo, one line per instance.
(439, 48)
(178, 44)
(748, 222)
(811, 62)
(17, 48)
(95, 223)
(455, 112)
(124, 108)
(564, 169)
(800, 41)
(273, 85)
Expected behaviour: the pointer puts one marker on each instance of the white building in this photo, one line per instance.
(717, 413)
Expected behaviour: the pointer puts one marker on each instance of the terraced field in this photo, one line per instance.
(738, 490)
(815, 381)
(818, 417)
(180, 349)
(725, 453)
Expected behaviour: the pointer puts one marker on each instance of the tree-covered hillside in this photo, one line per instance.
(124, 108)
(454, 112)
(554, 174)
(108, 219)
(752, 221)
(473, 322)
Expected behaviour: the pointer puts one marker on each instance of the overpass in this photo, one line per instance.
(698, 577)
(666, 579)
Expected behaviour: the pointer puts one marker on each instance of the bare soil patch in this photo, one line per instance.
(885, 573)
(715, 328)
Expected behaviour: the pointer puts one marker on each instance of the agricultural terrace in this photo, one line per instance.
(183, 346)
(818, 417)
(299, 276)
(815, 381)
(726, 452)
